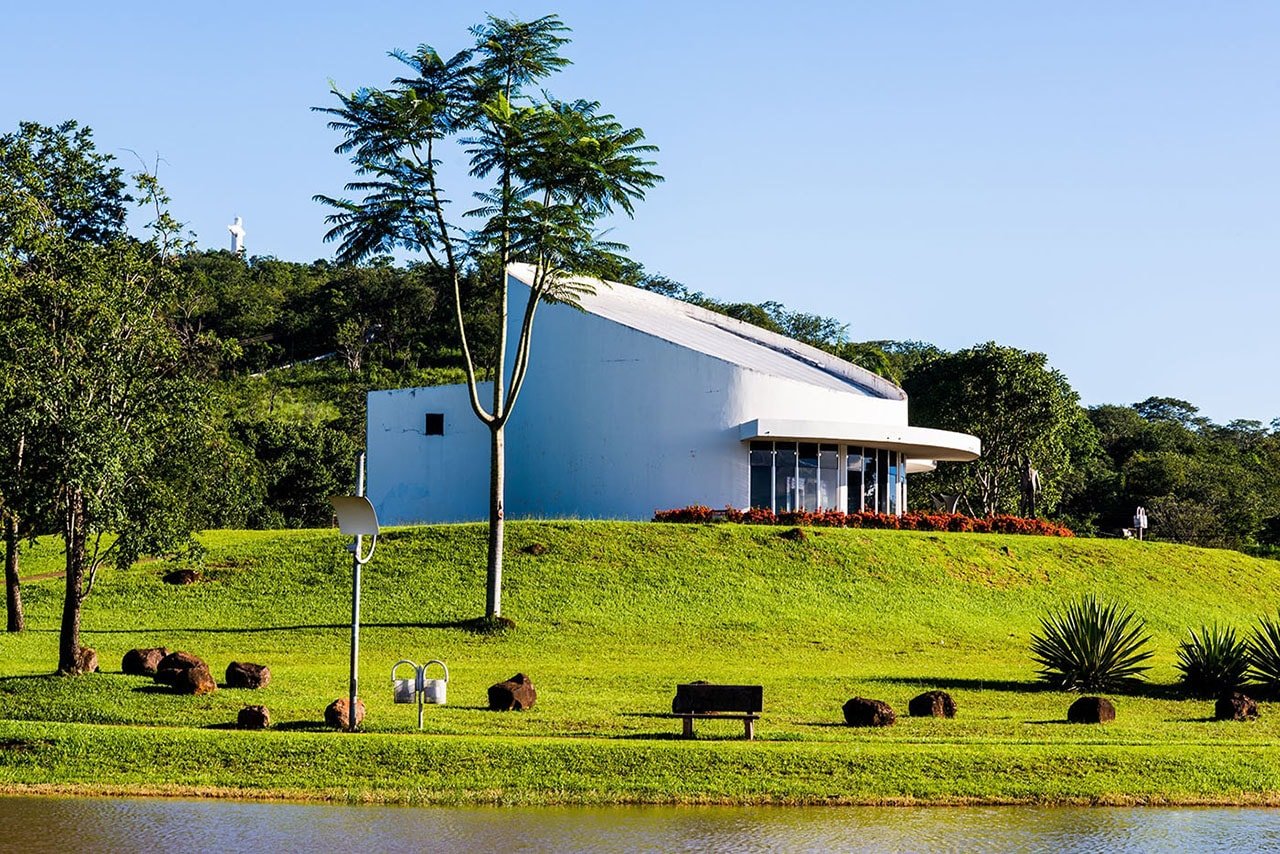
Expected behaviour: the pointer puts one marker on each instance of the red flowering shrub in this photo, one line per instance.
(692, 513)
(829, 519)
(915, 521)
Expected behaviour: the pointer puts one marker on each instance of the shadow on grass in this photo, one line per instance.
(474, 626)
(158, 688)
(659, 736)
(304, 726)
(1030, 686)
(927, 683)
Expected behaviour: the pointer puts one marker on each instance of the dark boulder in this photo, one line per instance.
(144, 661)
(516, 694)
(335, 714)
(253, 717)
(87, 660)
(241, 674)
(1091, 710)
(173, 665)
(860, 711)
(1235, 707)
(932, 704)
(195, 680)
(181, 576)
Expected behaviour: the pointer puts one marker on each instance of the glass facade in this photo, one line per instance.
(790, 476)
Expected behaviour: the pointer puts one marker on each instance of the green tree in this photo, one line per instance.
(554, 170)
(1023, 411)
(1202, 483)
(90, 351)
(51, 179)
(300, 466)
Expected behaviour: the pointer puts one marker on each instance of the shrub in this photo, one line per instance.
(914, 521)
(1264, 653)
(1091, 646)
(1213, 662)
(692, 513)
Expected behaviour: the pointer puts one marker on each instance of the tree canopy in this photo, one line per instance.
(1023, 411)
(108, 393)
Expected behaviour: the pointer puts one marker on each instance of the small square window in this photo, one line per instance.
(435, 423)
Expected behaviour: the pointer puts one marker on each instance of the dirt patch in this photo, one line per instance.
(19, 745)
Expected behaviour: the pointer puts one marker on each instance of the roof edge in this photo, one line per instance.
(808, 354)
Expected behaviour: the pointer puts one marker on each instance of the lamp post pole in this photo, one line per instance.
(355, 609)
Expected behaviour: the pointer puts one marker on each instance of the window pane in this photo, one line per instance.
(870, 478)
(762, 474)
(893, 483)
(853, 497)
(808, 483)
(784, 462)
(885, 481)
(828, 477)
(902, 480)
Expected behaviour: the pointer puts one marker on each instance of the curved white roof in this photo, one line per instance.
(722, 337)
(918, 443)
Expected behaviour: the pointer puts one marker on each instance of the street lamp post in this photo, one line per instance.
(356, 517)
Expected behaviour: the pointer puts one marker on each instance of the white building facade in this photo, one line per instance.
(639, 402)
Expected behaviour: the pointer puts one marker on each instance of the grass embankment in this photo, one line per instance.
(609, 618)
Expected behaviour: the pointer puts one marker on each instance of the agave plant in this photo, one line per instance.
(1264, 653)
(1214, 661)
(1091, 646)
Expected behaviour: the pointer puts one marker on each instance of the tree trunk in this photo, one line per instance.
(12, 590)
(73, 536)
(497, 485)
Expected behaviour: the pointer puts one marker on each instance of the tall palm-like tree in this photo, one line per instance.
(550, 171)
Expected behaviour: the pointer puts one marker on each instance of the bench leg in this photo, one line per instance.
(751, 729)
(688, 727)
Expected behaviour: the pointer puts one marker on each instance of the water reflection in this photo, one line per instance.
(121, 825)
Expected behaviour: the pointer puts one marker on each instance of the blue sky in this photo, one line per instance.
(1095, 181)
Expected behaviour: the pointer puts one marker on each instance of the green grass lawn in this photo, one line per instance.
(608, 619)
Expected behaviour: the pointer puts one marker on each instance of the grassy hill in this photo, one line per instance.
(609, 617)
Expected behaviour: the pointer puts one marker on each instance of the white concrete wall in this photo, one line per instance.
(612, 423)
(413, 477)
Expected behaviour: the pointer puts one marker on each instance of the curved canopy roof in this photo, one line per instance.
(723, 337)
(919, 443)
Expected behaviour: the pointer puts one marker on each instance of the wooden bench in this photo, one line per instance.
(701, 700)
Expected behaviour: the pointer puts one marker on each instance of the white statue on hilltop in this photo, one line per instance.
(237, 235)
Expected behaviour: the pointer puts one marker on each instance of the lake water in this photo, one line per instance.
(118, 825)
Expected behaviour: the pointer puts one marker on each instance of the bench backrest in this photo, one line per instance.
(703, 697)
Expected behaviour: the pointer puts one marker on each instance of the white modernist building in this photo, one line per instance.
(639, 402)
